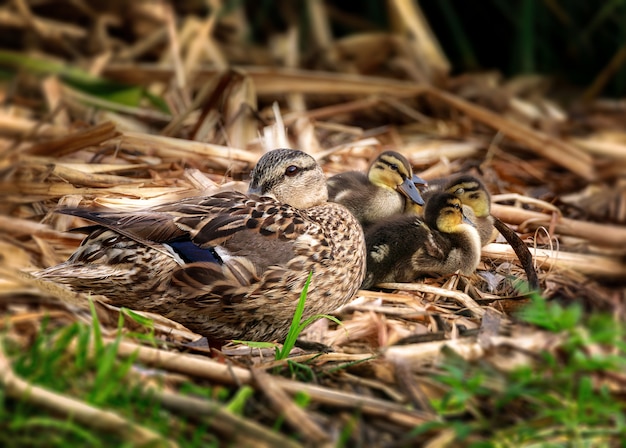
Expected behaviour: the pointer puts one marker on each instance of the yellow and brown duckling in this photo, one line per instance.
(383, 191)
(231, 265)
(406, 247)
(474, 196)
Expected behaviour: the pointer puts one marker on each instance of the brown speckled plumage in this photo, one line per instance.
(228, 266)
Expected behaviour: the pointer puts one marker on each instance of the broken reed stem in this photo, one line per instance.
(592, 265)
(75, 141)
(604, 234)
(176, 147)
(277, 80)
(71, 408)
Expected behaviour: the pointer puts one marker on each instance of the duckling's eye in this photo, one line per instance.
(292, 170)
(459, 191)
(394, 167)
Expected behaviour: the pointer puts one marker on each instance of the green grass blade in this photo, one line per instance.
(237, 404)
(315, 317)
(255, 344)
(82, 347)
(295, 328)
(97, 331)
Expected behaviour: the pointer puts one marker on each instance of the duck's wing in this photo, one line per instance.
(144, 226)
(205, 221)
(223, 242)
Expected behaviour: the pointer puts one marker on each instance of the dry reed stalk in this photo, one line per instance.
(278, 80)
(37, 189)
(176, 148)
(604, 234)
(318, 358)
(603, 145)
(591, 265)
(68, 144)
(24, 227)
(21, 127)
(459, 296)
(423, 41)
(239, 430)
(295, 416)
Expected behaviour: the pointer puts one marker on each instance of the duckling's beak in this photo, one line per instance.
(419, 182)
(410, 191)
(466, 220)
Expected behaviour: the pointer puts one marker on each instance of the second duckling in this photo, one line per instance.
(384, 191)
(474, 196)
(404, 248)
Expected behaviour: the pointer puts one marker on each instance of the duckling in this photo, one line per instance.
(231, 265)
(405, 247)
(474, 196)
(384, 191)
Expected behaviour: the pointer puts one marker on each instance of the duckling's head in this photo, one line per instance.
(444, 212)
(291, 176)
(392, 170)
(472, 192)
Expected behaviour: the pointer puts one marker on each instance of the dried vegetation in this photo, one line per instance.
(185, 103)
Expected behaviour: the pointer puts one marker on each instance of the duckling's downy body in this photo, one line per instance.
(228, 266)
(381, 192)
(405, 247)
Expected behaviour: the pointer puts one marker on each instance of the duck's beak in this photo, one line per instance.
(408, 189)
(419, 182)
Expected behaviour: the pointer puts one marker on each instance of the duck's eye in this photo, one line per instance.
(394, 167)
(292, 170)
(459, 191)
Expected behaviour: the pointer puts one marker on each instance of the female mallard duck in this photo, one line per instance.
(405, 247)
(384, 191)
(228, 266)
(474, 196)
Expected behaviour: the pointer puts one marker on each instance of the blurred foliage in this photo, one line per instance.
(573, 40)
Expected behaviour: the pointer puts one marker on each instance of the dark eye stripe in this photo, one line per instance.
(472, 186)
(394, 166)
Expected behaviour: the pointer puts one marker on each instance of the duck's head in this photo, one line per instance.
(444, 212)
(472, 192)
(392, 170)
(291, 176)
